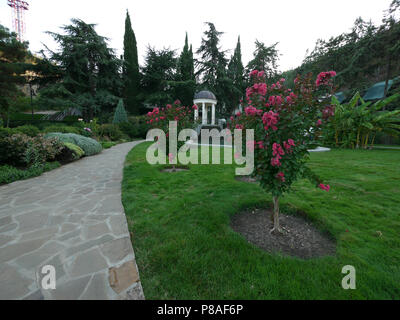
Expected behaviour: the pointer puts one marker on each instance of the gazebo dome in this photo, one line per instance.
(205, 94)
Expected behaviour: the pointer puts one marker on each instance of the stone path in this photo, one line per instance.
(72, 219)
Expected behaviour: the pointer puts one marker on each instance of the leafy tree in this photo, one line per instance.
(90, 71)
(185, 82)
(159, 74)
(120, 115)
(13, 55)
(131, 69)
(265, 59)
(283, 128)
(236, 75)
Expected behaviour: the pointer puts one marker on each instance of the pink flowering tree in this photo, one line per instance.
(160, 118)
(285, 122)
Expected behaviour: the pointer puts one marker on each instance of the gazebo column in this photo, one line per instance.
(196, 114)
(204, 116)
(213, 115)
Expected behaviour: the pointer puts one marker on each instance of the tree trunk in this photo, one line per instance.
(277, 228)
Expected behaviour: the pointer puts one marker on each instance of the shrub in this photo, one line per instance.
(88, 145)
(9, 174)
(120, 115)
(6, 132)
(62, 129)
(136, 127)
(76, 149)
(69, 153)
(110, 132)
(108, 144)
(29, 130)
(22, 150)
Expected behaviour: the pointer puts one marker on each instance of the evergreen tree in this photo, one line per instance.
(90, 74)
(212, 68)
(236, 75)
(13, 55)
(185, 84)
(159, 74)
(131, 69)
(120, 115)
(265, 59)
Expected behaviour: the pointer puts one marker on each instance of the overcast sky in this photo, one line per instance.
(295, 24)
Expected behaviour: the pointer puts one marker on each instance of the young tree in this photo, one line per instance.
(120, 115)
(283, 122)
(131, 69)
(265, 59)
(90, 71)
(13, 55)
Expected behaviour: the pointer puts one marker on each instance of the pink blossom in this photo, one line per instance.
(281, 176)
(324, 77)
(270, 119)
(171, 157)
(319, 122)
(291, 142)
(250, 145)
(195, 107)
(254, 73)
(325, 187)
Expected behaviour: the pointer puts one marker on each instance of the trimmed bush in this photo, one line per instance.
(88, 145)
(76, 149)
(135, 128)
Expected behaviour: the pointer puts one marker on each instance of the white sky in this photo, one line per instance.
(295, 24)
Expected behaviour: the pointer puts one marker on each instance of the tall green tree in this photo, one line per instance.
(131, 69)
(159, 74)
(13, 55)
(236, 75)
(212, 69)
(185, 84)
(265, 59)
(91, 79)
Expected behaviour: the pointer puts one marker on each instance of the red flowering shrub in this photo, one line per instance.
(285, 123)
(160, 118)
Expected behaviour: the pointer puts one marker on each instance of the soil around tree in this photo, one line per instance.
(171, 169)
(299, 238)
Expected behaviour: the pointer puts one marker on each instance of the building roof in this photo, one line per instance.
(205, 94)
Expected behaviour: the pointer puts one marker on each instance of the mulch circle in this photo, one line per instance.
(248, 179)
(299, 238)
(171, 169)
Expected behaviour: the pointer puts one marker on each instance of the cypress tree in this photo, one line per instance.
(236, 76)
(131, 69)
(185, 83)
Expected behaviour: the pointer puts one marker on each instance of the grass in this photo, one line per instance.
(9, 174)
(185, 248)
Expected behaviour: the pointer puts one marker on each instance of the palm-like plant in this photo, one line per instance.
(357, 122)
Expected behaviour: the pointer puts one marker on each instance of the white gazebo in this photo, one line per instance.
(205, 100)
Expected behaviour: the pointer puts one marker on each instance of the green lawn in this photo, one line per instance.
(185, 248)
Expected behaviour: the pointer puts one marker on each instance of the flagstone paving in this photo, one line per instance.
(71, 219)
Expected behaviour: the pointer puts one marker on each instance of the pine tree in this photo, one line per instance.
(90, 74)
(12, 67)
(120, 115)
(212, 68)
(265, 59)
(131, 69)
